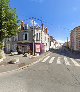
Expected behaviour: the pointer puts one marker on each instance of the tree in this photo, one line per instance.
(8, 20)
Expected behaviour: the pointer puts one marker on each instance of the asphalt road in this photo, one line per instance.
(58, 72)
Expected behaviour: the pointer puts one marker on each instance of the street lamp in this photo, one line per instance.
(33, 37)
(33, 23)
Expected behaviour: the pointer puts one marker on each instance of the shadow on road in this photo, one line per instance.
(66, 52)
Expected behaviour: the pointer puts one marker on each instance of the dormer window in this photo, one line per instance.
(25, 27)
(25, 36)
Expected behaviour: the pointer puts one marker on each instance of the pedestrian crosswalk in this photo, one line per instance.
(51, 60)
(61, 60)
(45, 59)
(75, 63)
(66, 61)
(58, 60)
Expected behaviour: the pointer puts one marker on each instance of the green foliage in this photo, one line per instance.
(1, 45)
(1, 57)
(8, 20)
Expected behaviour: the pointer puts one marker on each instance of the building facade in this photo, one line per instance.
(75, 39)
(52, 43)
(10, 44)
(23, 42)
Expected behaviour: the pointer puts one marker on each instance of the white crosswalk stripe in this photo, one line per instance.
(45, 59)
(51, 60)
(75, 63)
(58, 60)
(66, 61)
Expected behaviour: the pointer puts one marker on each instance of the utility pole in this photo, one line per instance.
(67, 43)
(33, 37)
(32, 18)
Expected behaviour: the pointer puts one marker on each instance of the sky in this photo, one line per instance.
(60, 16)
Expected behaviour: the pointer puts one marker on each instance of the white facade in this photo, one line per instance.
(46, 41)
(38, 35)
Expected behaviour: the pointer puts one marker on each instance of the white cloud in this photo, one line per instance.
(61, 41)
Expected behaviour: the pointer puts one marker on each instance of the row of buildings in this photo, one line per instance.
(74, 43)
(75, 39)
(30, 39)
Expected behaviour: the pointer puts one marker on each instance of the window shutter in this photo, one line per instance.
(23, 36)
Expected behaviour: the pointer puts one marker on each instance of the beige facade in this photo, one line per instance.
(75, 39)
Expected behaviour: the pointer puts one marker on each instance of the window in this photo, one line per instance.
(25, 27)
(37, 36)
(45, 38)
(8, 39)
(50, 43)
(25, 36)
(48, 39)
(8, 47)
(46, 44)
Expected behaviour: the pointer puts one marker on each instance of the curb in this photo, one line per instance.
(26, 66)
(1, 59)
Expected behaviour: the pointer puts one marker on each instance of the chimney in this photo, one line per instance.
(22, 26)
(46, 30)
(42, 27)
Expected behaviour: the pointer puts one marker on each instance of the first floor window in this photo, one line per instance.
(38, 36)
(25, 36)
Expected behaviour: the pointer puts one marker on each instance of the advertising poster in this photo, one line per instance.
(37, 47)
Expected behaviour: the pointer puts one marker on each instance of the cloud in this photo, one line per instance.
(61, 41)
(39, 1)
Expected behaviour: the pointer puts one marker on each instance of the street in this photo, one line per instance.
(58, 72)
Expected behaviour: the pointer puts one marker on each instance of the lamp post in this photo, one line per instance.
(33, 23)
(67, 43)
(33, 37)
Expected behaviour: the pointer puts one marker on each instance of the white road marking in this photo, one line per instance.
(58, 60)
(66, 61)
(45, 59)
(75, 63)
(78, 59)
(51, 60)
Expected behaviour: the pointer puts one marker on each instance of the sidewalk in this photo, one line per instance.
(23, 61)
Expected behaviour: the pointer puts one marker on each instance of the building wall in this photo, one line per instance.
(30, 35)
(10, 44)
(43, 39)
(75, 38)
